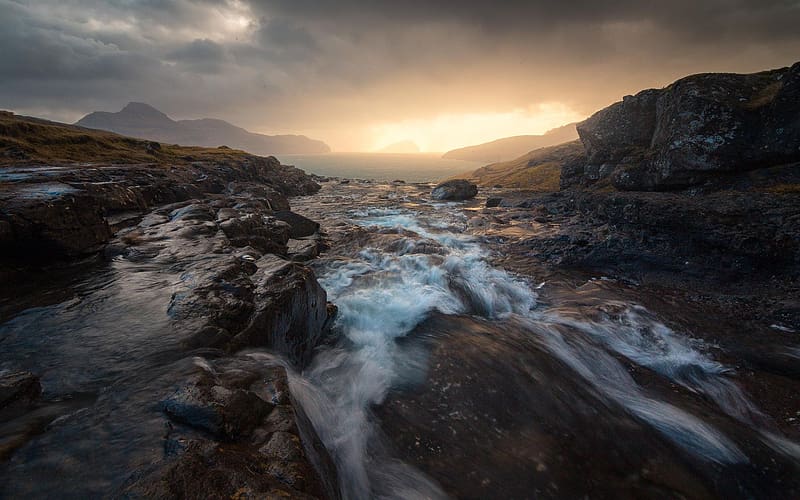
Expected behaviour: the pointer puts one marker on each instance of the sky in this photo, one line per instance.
(361, 74)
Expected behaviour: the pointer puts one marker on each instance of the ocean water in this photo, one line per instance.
(427, 167)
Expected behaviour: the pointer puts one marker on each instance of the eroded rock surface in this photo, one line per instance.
(62, 212)
(700, 127)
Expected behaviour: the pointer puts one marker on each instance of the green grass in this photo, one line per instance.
(31, 140)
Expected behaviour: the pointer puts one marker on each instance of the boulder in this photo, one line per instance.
(493, 202)
(700, 128)
(299, 226)
(457, 189)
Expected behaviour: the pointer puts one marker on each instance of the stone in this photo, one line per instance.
(299, 226)
(493, 202)
(249, 448)
(457, 189)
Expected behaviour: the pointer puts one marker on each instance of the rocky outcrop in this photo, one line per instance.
(210, 231)
(454, 190)
(236, 432)
(300, 226)
(699, 128)
(65, 212)
(715, 238)
(237, 286)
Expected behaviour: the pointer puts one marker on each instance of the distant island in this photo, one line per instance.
(400, 147)
(146, 122)
(513, 147)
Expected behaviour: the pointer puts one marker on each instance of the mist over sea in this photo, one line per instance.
(381, 166)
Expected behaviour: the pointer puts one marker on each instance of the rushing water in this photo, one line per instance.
(418, 259)
(449, 375)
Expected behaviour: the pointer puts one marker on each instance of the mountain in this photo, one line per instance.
(24, 140)
(144, 121)
(513, 147)
(400, 147)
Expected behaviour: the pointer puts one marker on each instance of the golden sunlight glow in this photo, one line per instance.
(450, 131)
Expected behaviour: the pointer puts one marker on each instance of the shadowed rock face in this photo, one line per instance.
(699, 127)
(236, 432)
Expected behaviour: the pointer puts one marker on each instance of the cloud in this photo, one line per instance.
(340, 69)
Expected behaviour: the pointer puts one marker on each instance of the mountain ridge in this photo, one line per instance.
(509, 148)
(141, 120)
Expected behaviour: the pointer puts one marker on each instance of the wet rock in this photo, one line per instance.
(251, 448)
(718, 237)
(493, 202)
(258, 194)
(302, 250)
(264, 234)
(282, 446)
(225, 413)
(290, 310)
(63, 213)
(19, 389)
(697, 129)
(300, 226)
(454, 190)
(47, 220)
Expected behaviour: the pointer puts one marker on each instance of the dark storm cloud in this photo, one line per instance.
(201, 56)
(318, 65)
(710, 18)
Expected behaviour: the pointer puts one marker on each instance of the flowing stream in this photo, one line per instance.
(446, 375)
(407, 258)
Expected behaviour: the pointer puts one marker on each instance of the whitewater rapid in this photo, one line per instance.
(421, 260)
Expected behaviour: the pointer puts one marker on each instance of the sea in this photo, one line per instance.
(422, 167)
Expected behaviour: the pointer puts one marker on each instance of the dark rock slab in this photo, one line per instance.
(300, 226)
(62, 213)
(493, 202)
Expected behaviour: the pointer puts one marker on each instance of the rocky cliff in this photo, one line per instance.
(700, 128)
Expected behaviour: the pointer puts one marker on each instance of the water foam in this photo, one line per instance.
(383, 295)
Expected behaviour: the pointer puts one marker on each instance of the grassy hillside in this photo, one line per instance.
(31, 140)
(538, 170)
(512, 147)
